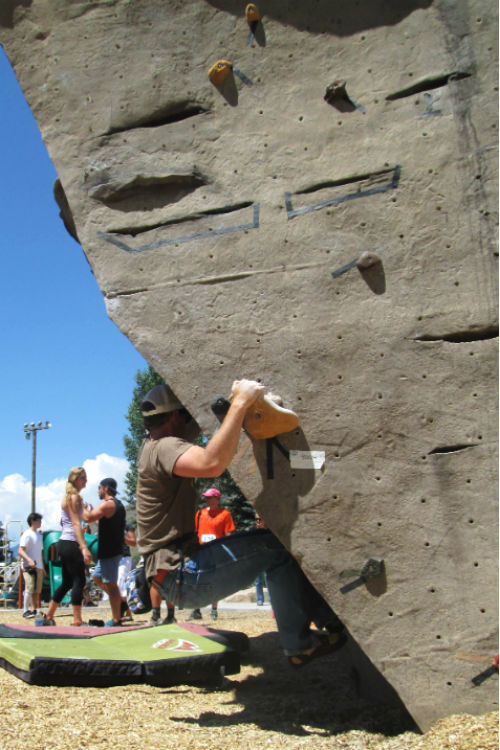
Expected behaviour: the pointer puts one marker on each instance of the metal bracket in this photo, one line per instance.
(373, 567)
(480, 678)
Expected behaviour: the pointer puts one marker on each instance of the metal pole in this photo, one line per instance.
(31, 430)
(33, 471)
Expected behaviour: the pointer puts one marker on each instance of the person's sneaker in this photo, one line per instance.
(112, 623)
(48, 621)
(214, 614)
(168, 620)
(29, 613)
(195, 615)
(154, 620)
(326, 644)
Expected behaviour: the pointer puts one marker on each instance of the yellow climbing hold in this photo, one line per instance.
(219, 71)
(252, 13)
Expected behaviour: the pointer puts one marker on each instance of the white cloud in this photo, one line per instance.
(15, 494)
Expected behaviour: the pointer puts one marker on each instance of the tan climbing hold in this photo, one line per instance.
(219, 71)
(367, 260)
(266, 419)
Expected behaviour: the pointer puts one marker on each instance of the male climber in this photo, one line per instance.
(195, 575)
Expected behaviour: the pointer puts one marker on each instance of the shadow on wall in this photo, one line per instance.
(7, 8)
(340, 18)
(273, 461)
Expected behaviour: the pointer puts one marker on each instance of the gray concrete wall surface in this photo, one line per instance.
(222, 223)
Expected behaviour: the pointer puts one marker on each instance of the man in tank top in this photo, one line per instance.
(110, 514)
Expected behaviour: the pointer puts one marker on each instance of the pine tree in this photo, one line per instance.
(231, 496)
(145, 380)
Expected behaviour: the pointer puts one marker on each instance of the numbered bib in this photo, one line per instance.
(207, 538)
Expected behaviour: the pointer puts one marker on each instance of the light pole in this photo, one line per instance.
(31, 430)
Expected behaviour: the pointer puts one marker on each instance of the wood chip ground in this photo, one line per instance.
(267, 705)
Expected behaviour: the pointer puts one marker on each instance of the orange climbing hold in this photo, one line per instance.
(266, 418)
(252, 13)
(219, 71)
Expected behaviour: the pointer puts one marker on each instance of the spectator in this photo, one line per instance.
(261, 578)
(71, 549)
(110, 513)
(30, 552)
(212, 522)
(125, 567)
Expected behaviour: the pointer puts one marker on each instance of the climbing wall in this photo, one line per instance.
(309, 198)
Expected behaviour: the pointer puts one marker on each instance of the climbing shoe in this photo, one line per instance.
(326, 644)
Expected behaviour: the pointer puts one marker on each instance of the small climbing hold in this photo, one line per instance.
(367, 260)
(336, 93)
(219, 71)
(252, 15)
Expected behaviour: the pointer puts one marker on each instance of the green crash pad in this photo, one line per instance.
(97, 657)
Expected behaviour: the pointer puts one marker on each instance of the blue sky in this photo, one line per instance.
(63, 360)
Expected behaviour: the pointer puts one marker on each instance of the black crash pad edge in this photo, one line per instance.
(200, 669)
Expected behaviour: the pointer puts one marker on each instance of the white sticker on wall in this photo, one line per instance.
(307, 459)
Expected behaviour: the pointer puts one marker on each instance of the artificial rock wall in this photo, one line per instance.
(222, 221)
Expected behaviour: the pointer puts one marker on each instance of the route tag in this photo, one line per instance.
(307, 459)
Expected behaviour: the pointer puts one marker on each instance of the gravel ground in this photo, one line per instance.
(267, 705)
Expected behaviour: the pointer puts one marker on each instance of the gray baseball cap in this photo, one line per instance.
(159, 400)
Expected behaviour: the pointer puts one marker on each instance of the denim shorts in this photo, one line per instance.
(107, 569)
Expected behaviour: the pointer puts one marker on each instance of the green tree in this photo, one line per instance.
(231, 496)
(145, 380)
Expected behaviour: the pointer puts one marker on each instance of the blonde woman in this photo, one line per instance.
(71, 548)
